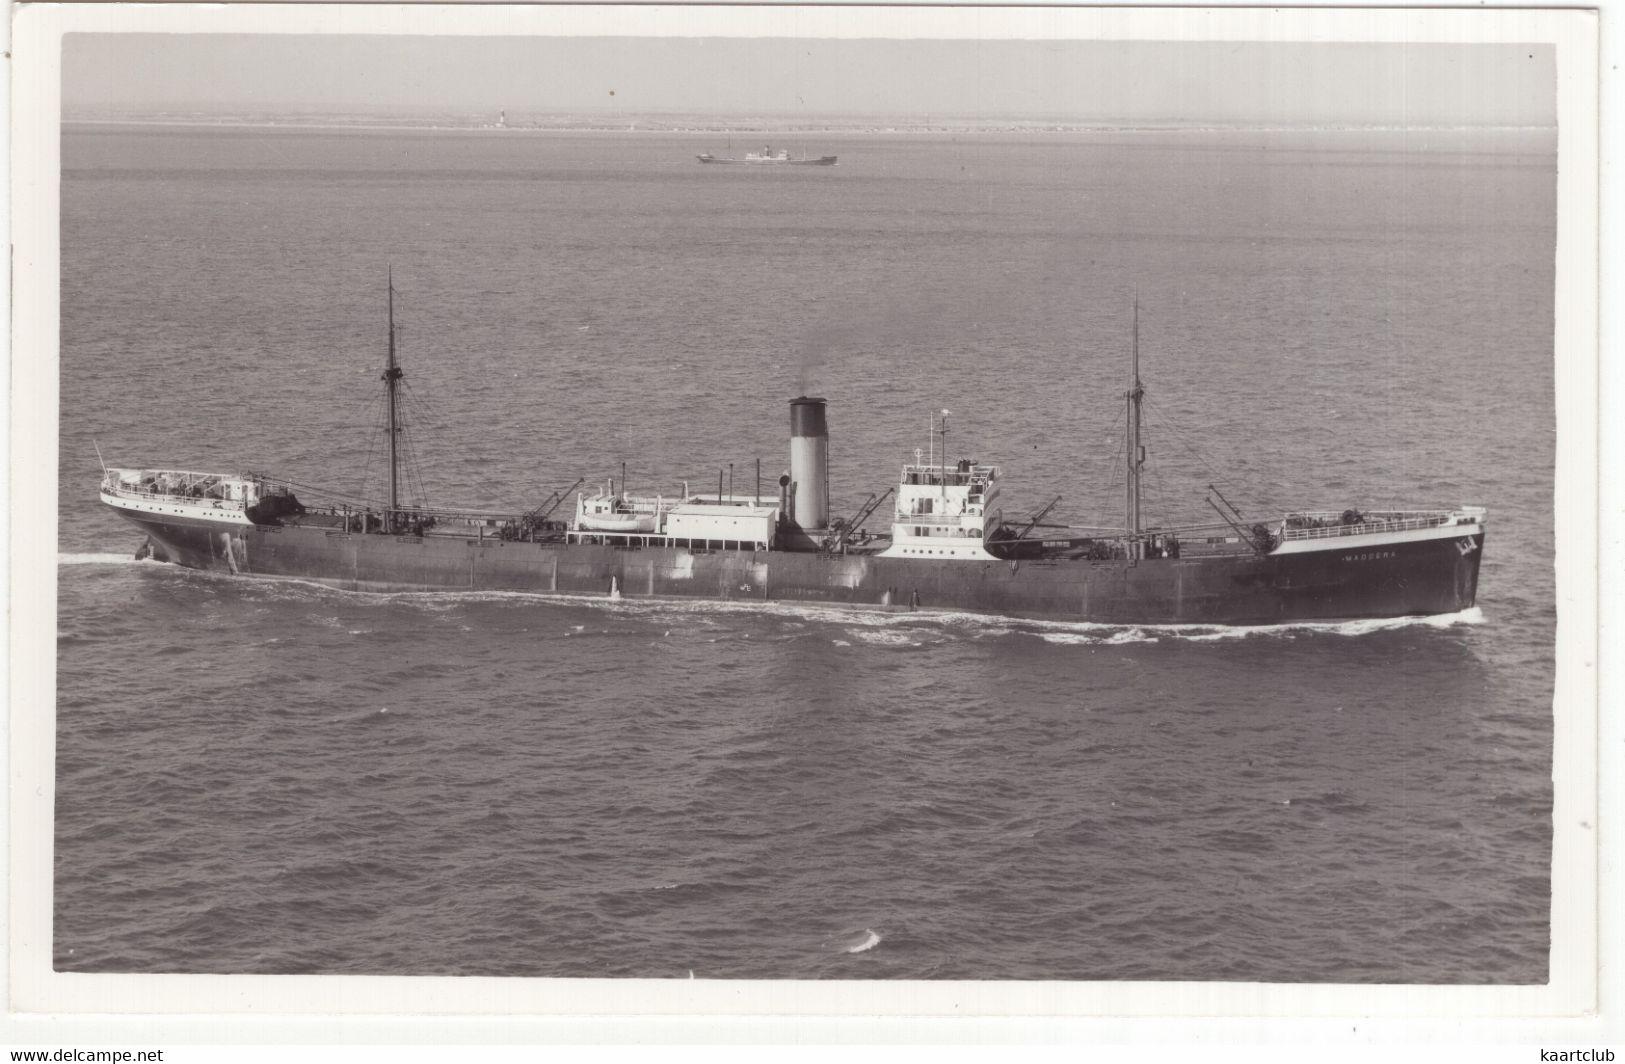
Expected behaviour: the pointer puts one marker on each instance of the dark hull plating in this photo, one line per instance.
(1420, 577)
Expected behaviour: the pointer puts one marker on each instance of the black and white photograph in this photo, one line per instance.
(727, 496)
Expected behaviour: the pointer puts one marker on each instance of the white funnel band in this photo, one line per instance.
(809, 466)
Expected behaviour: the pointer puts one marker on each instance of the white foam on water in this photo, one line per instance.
(102, 559)
(1366, 626)
(869, 942)
(1107, 637)
(1091, 633)
(1068, 639)
(886, 639)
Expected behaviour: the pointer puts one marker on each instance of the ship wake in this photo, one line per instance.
(1084, 632)
(102, 559)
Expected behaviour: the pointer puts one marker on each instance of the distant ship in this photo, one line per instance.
(768, 157)
(949, 547)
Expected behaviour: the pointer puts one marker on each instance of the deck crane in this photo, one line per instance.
(843, 534)
(527, 525)
(1037, 518)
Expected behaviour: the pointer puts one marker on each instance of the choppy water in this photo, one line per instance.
(277, 777)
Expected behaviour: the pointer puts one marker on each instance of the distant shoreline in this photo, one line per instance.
(989, 129)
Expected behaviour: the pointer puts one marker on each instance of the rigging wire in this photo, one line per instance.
(427, 410)
(1179, 437)
(409, 457)
(1117, 452)
(425, 416)
(369, 416)
(316, 491)
(380, 428)
(1159, 494)
(414, 469)
(414, 472)
(404, 418)
(362, 412)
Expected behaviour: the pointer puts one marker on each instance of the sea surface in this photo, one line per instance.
(279, 777)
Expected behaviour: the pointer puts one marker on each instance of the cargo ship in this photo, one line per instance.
(949, 547)
(768, 157)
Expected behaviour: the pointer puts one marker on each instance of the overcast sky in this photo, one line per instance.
(1432, 84)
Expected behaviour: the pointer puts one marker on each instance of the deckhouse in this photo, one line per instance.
(944, 511)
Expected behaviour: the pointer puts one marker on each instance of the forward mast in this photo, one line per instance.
(1134, 450)
(391, 378)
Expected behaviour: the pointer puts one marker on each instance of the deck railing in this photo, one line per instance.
(1372, 523)
(174, 495)
(661, 539)
(945, 520)
(936, 476)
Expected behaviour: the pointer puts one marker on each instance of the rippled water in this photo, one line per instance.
(277, 777)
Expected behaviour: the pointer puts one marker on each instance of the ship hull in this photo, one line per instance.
(1414, 577)
(827, 160)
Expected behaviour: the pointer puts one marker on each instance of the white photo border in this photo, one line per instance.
(1117, 1009)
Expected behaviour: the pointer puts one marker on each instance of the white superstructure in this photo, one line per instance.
(696, 522)
(215, 497)
(737, 521)
(944, 511)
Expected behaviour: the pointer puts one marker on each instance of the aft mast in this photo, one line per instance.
(391, 379)
(1135, 452)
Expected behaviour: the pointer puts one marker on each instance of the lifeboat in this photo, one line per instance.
(616, 522)
(612, 511)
